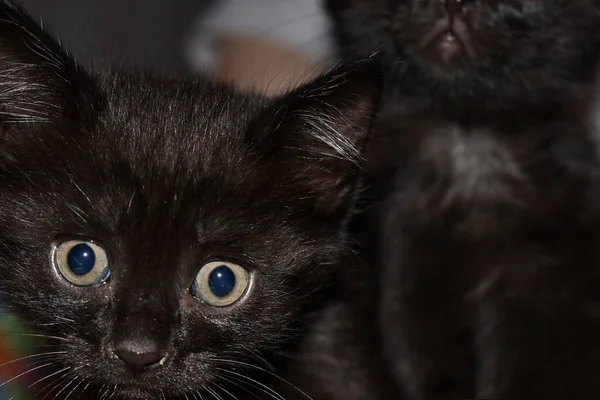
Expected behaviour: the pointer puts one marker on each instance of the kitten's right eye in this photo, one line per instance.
(81, 263)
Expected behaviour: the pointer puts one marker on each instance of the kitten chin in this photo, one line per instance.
(169, 237)
(474, 54)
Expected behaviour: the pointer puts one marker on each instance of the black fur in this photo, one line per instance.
(484, 172)
(488, 243)
(167, 173)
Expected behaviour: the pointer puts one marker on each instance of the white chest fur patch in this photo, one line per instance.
(477, 167)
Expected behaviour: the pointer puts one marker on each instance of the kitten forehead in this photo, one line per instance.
(168, 113)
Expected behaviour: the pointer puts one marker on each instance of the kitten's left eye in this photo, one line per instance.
(81, 263)
(221, 284)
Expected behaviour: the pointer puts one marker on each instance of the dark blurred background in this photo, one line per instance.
(265, 45)
(145, 33)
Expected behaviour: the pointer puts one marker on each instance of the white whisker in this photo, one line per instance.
(265, 371)
(212, 392)
(43, 336)
(254, 383)
(59, 381)
(32, 356)
(239, 386)
(65, 387)
(74, 388)
(221, 388)
(25, 373)
(49, 376)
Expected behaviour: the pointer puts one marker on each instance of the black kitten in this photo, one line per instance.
(169, 237)
(485, 169)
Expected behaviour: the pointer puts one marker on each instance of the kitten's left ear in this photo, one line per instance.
(39, 82)
(314, 136)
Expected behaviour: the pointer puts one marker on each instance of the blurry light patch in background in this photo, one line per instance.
(268, 45)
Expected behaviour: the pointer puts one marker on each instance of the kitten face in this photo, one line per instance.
(461, 46)
(453, 36)
(165, 235)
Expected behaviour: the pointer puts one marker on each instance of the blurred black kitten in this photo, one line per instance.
(170, 238)
(484, 168)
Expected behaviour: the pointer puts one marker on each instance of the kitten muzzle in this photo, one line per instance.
(450, 39)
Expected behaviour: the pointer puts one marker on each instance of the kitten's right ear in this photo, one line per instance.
(39, 82)
(313, 138)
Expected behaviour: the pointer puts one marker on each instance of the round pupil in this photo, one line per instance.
(221, 281)
(81, 259)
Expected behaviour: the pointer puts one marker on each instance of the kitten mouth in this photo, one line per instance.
(449, 40)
